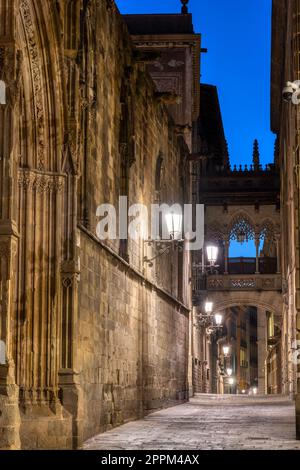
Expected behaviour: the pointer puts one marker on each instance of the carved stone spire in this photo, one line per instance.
(256, 154)
(184, 9)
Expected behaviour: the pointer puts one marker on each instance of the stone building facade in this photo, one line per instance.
(285, 122)
(241, 203)
(91, 335)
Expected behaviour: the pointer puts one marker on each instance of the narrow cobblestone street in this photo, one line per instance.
(209, 422)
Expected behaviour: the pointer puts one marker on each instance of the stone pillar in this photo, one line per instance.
(9, 65)
(9, 407)
(262, 349)
(278, 269)
(226, 255)
(192, 338)
(257, 254)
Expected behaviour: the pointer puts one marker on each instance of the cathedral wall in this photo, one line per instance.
(132, 343)
(94, 335)
(133, 338)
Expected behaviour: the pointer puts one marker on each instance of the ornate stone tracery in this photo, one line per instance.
(35, 67)
(267, 230)
(241, 226)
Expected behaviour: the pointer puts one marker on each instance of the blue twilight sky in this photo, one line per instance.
(237, 34)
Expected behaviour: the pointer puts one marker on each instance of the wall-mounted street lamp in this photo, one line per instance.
(208, 307)
(173, 222)
(229, 371)
(212, 255)
(174, 225)
(207, 319)
(218, 319)
(226, 350)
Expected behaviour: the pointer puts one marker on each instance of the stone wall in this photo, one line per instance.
(94, 335)
(285, 124)
(133, 338)
(132, 343)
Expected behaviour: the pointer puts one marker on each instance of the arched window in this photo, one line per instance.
(267, 238)
(242, 237)
(2, 92)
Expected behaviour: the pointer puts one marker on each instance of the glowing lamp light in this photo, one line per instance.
(212, 254)
(208, 307)
(231, 381)
(243, 392)
(218, 319)
(229, 372)
(254, 391)
(174, 225)
(226, 350)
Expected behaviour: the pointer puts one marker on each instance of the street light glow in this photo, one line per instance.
(208, 307)
(212, 254)
(174, 225)
(218, 319)
(226, 350)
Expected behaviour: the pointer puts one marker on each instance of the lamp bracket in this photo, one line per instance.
(162, 247)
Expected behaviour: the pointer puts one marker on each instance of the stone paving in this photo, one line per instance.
(209, 422)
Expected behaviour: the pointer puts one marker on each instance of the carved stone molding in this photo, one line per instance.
(216, 283)
(110, 5)
(40, 182)
(36, 79)
(69, 273)
(7, 55)
(243, 283)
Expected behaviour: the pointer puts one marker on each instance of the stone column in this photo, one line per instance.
(192, 338)
(278, 269)
(226, 255)
(257, 254)
(10, 62)
(262, 349)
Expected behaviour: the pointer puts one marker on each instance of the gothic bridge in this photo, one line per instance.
(242, 218)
